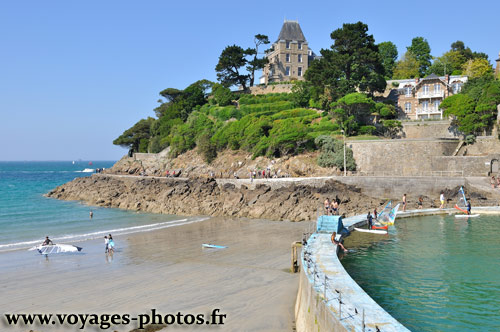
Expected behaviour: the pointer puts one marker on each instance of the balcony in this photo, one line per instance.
(429, 112)
(430, 94)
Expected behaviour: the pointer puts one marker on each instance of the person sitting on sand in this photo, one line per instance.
(47, 241)
(334, 241)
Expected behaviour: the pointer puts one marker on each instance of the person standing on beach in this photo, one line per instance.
(335, 208)
(493, 182)
(111, 244)
(375, 213)
(420, 202)
(404, 202)
(441, 199)
(106, 244)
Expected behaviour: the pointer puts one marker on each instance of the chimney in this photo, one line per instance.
(417, 80)
(447, 78)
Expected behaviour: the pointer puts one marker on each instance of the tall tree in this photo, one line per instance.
(477, 68)
(353, 63)
(422, 51)
(228, 68)
(256, 63)
(389, 53)
(137, 137)
(407, 67)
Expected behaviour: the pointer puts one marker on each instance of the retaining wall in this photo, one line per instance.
(429, 129)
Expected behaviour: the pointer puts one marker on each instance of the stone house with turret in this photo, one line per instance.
(288, 57)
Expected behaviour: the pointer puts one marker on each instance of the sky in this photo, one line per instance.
(75, 74)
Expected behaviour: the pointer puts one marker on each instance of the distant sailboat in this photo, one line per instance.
(73, 162)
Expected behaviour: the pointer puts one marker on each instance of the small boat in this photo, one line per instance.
(467, 215)
(213, 246)
(373, 231)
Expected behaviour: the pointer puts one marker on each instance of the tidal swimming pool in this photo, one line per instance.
(434, 273)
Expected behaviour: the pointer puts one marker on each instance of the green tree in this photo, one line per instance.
(407, 67)
(222, 95)
(353, 63)
(389, 54)
(422, 51)
(332, 153)
(475, 109)
(137, 137)
(351, 110)
(231, 61)
(477, 68)
(301, 93)
(257, 63)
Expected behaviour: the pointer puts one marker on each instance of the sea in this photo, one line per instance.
(27, 216)
(434, 273)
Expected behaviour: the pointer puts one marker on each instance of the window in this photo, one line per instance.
(425, 105)
(437, 88)
(288, 44)
(287, 56)
(436, 104)
(456, 87)
(299, 45)
(408, 91)
(299, 71)
(425, 90)
(408, 107)
(287, 71)
(299, 57)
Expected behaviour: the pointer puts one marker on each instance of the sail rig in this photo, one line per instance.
(390, 217)
(462, 201)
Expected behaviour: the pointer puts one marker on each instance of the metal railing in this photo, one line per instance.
(429, 110)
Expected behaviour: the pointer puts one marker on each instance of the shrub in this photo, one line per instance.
(366, 130)
(470, 139)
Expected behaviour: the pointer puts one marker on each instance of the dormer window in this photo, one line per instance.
(299, 45)
(408, 91)
(288, 44)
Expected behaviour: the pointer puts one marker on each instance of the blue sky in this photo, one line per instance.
(75, 74)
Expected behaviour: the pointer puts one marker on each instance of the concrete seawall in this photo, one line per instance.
(330, 300)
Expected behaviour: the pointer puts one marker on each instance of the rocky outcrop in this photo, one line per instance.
(206, 197)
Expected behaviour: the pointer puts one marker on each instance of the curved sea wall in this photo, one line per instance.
(330, 300)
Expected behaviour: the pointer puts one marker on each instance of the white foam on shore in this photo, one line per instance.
(96, 235)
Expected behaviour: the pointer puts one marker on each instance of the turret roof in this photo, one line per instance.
(291, 31)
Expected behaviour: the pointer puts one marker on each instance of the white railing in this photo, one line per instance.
(429, 110)
(430, 94)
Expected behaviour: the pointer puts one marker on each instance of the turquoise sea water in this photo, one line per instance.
(26, 216)
(433, 273)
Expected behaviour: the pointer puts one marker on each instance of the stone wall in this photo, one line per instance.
(400, 157)
(272, 88)
(429, 129)
(483, 147)
(468, 165)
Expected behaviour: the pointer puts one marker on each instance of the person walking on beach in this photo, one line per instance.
(106, 244)
(111, 244)
(441, 199)
(404, 202)
(334, 241)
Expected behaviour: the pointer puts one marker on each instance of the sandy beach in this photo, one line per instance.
(167, 270)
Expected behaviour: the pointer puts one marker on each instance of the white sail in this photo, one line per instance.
(55, 248)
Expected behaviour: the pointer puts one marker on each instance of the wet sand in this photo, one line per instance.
(167, 270)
